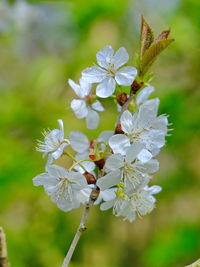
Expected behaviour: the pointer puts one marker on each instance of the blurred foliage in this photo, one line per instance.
(36, 61)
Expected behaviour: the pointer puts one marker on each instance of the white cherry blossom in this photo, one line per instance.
(141, 202)
(109, 71)
(127, 169)
(54, 142)
(62, 186)
(82, 107)
(143, 126)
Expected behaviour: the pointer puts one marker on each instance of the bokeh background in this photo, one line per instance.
(42, 44)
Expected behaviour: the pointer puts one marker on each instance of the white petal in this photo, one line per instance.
(79, 141)
(125, 76)
(92, 119)
(155, 189)
(144, 155)
(75, 87)
(58, 153)
(84, 194)
(160, 123)
(56, 171)
(104, 136)
(133, 151)
(104, 56)
(119, 143)
(144, 94)
(85, 87)
(60, 122)
(106, 195)
(153, 138)
(147, 113)
(116, 161)
(80, 108)
(97, 106)
(120, 58)
(131, 216)
(109, 194)
(67, 205)
(127, 122)
(44, 179)
(94, 74)
(79, 179)
(109, 180)
(155, 151)
(149, 167)
(106, 88)
(107, 205)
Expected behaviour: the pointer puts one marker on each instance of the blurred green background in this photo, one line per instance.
(42, 44)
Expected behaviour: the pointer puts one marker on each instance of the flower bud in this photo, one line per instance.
(92, 157)
(135, 86)
(100, 163)
(118, 129)
(90, 178)
(121, 98)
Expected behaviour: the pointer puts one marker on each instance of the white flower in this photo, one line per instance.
(108, 73)
(138, 204)
(54, 142)
(81, 107)
(127, 169)
(143, 126)
(62, 186)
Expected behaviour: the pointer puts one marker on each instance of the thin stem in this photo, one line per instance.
(78, 163)
(81, 228)
(74, 159)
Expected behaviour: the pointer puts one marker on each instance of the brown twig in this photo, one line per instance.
(3, 249)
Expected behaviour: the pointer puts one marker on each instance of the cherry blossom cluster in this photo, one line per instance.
(118, 164)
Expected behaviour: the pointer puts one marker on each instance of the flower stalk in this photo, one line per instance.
(81, 228)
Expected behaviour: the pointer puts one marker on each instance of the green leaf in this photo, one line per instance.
(146, 36)
(162, 36)
(151, 53)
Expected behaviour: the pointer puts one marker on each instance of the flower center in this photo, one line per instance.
(128, 169)
(111, 69)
